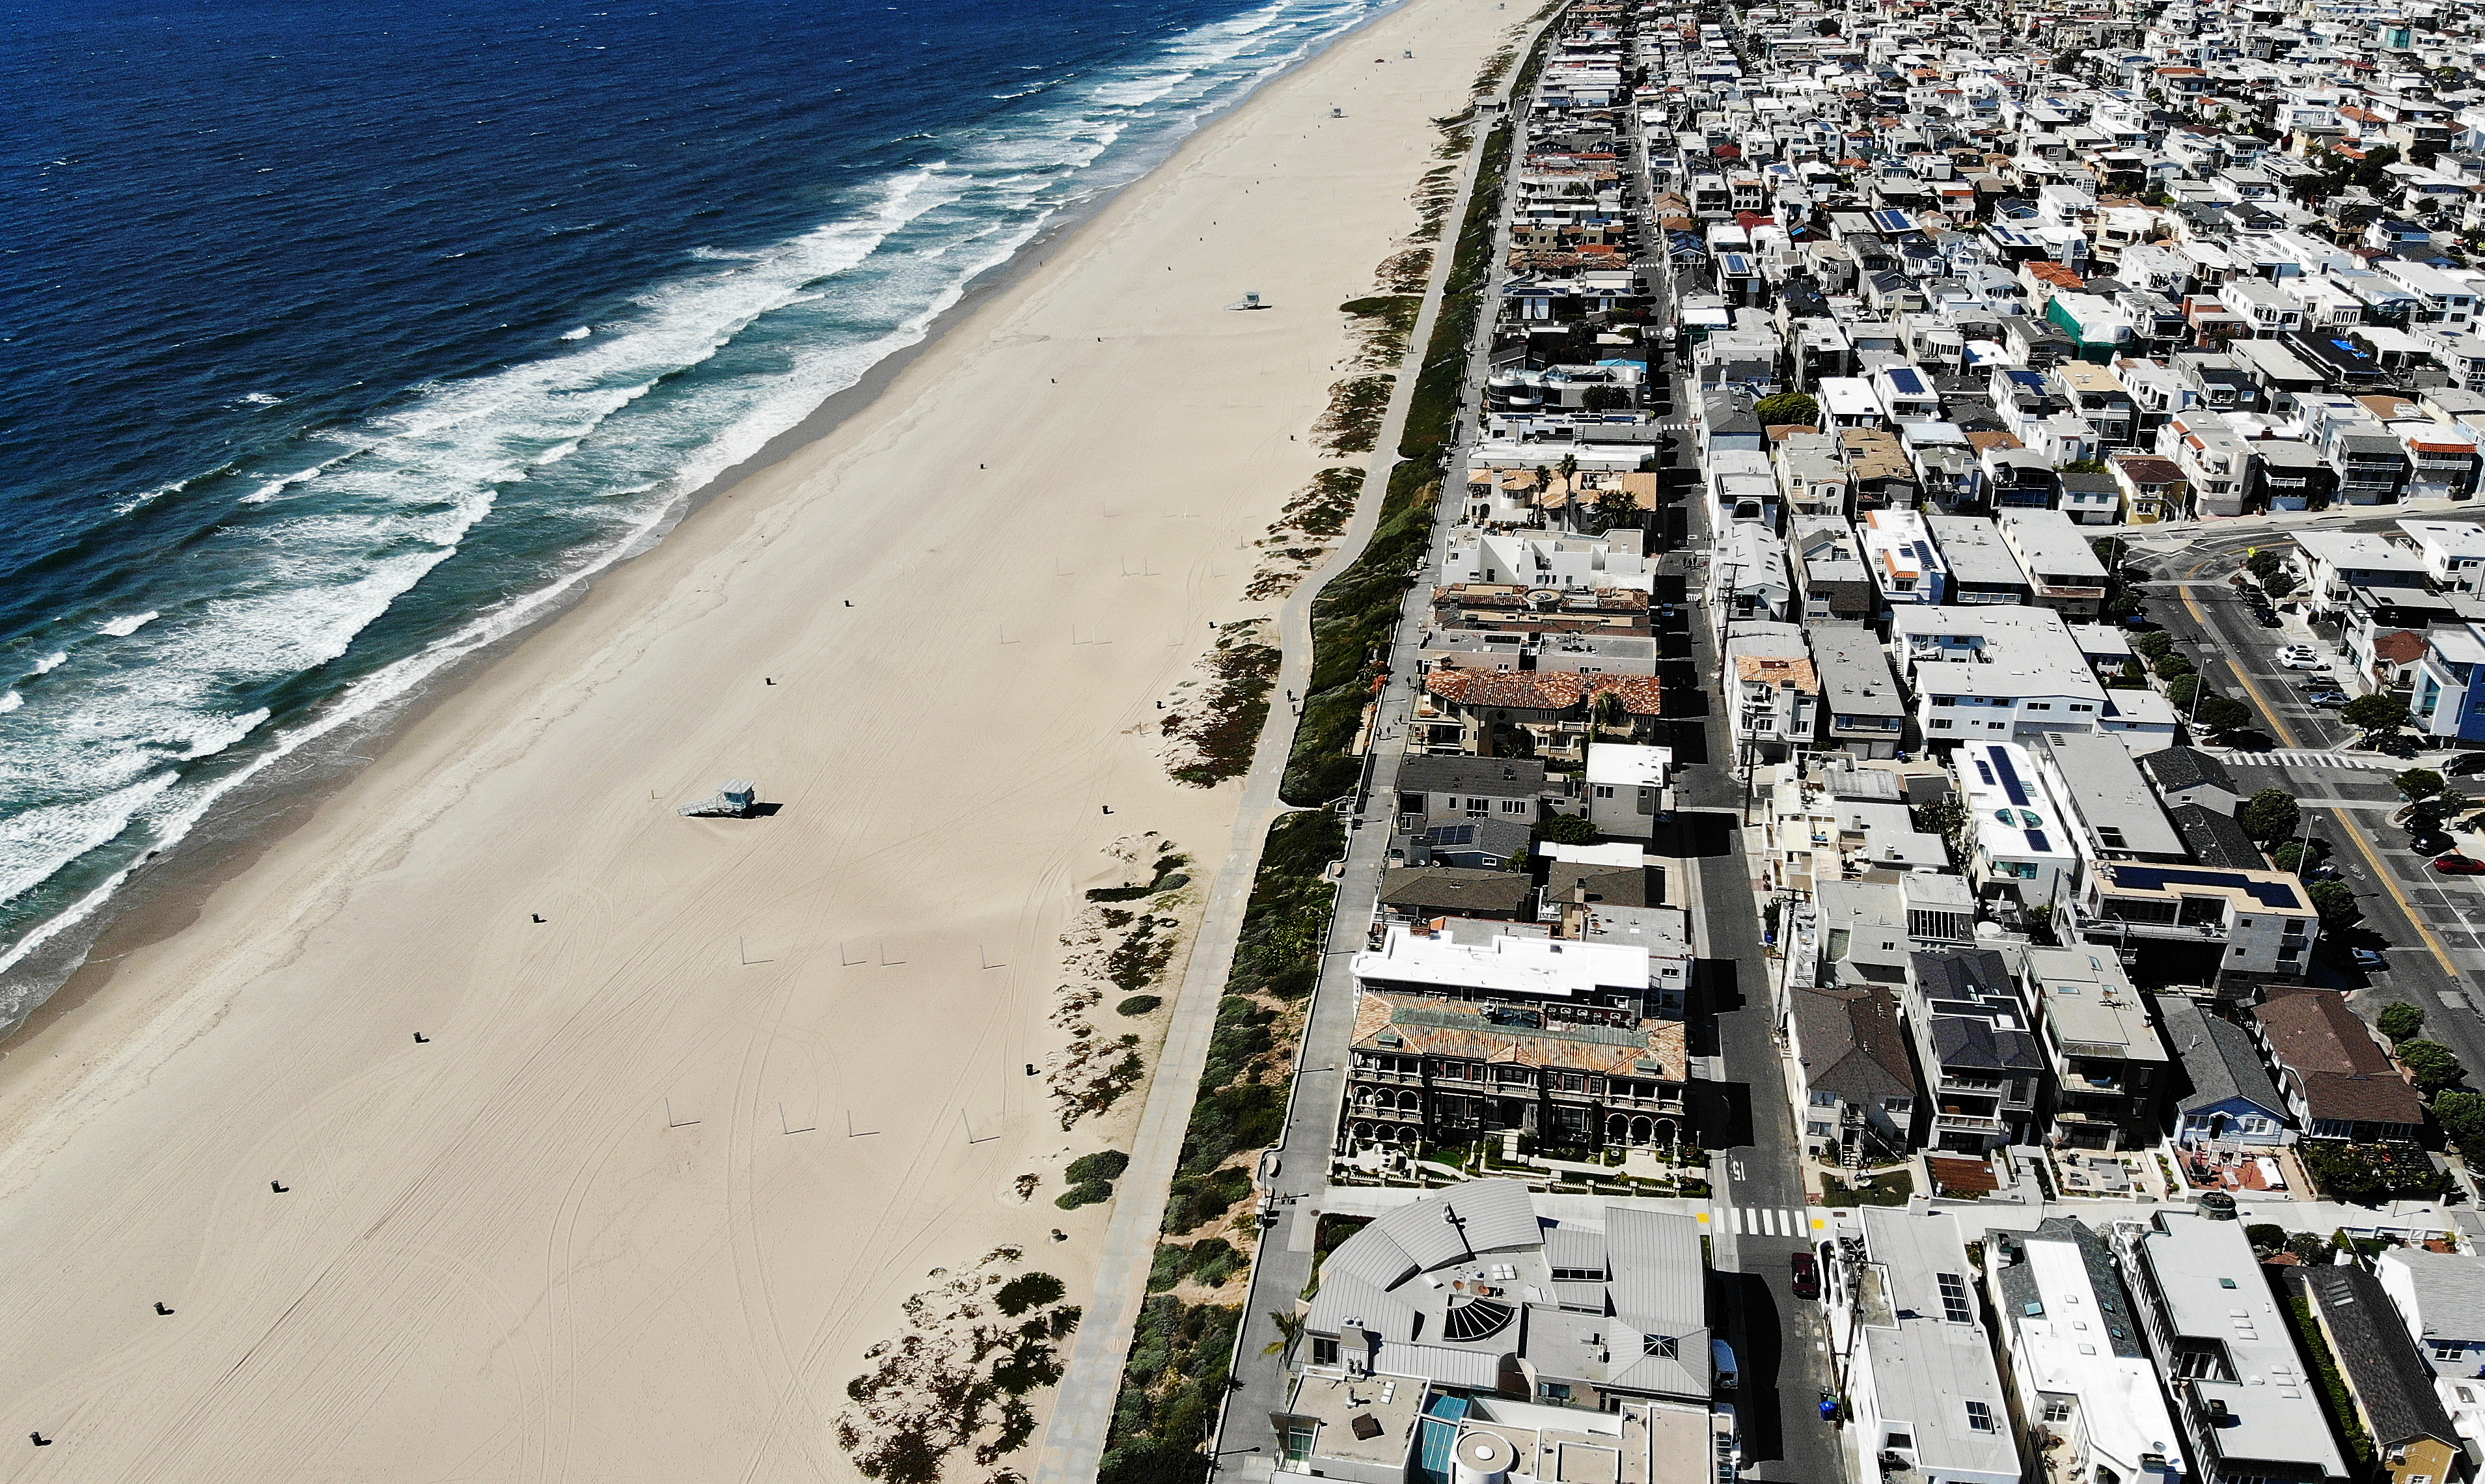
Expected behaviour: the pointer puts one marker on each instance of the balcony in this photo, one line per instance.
(1967, 1124)
(1389, 1079)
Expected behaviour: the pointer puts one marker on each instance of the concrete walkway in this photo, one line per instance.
(1082, 1410)
(1283, 1264)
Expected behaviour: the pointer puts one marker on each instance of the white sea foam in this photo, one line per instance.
(10, 700)
(50, 662)
(259, 399)
(144, 757)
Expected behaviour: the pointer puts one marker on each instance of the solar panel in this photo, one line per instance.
(2037, 843)
(2011, 784)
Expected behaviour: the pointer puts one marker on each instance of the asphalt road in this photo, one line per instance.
(2430, 927)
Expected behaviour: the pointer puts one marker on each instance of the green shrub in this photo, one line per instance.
(2401, 1021)
(1027, 1291)
(1211, 1261)
(1139, 1005)
(1241, 1034)
(1277, 951)
(1165, 1268)
(1093, 1193)
(2435, 1066)
(1195, 1200)
(1103, 1165)
(2266, 1236)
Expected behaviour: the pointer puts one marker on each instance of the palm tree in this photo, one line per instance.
(1606, 712)
(1290, 1329)
(1569, 469)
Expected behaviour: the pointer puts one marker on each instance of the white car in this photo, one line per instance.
(2301, 662)
(2298, 652)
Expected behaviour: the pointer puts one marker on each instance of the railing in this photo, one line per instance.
(1972, 1122)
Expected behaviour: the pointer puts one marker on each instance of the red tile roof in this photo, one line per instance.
(1545, 690)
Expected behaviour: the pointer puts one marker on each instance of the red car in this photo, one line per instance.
(2459, 865)
(1807, 1277)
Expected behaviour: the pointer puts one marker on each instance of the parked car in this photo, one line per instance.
(1807, 1276)
(2370, 958)
(2301, 662)
(2267, 617)
(2465, 765)
(2431, 844)
(2459, 865)
(2327, 699)
(1721, 1360)
(2298, 652)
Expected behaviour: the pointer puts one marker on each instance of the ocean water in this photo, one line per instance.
(338, 340)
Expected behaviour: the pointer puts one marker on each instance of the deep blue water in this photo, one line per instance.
(337, 339)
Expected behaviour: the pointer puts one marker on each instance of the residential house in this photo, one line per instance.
(1919, 1382)
(2107, 1071)
(1852, 1083)
(2439, 1298)
(2073, 1354)
(2065, 573)
(1981, 1068)
(2389, 1383)
(1863, 711)
(2226, 1097)
(2339, 1083)
(2251, 1407)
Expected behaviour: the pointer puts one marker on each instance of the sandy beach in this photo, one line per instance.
(568, 1234)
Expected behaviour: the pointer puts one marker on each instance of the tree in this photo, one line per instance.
(2435, 1066)
(2335, 902)
(2299, 856)
(2174, 665)
(2417, 783)
(1607, 399)
(2265, 1236)
(1567, 830)
(2155, 645)
(1788, 407)
(2375, 713)
(2180, 691)
(2222, 713)
(2463, 1118)
(2399, 1022)
(2279, 584)
(2264, 563)
(2269, 815)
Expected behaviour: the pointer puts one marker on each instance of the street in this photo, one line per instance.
(2431, 927)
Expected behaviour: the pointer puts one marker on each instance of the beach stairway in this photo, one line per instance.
(738, 799)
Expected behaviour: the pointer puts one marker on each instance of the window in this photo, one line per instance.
(1824, 1100)
(1980, 1416)
(1942, 723)
(2447, 1348)
(1514, 805)
(1818, 1130)
(1898, 1440)
(2041, 705)
(2057, 1410)
(1554, 1392)
(1604, 790)
(1953, 1297)
(2082, 706)
(1324, 1350)
(1477, 809)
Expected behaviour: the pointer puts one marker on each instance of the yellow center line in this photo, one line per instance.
(2346, 824)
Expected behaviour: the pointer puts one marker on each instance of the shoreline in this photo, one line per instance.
(160, 895)
(690, 1107)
